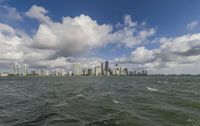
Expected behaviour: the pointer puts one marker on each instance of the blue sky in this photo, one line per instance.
(169, 20)
(170, 17)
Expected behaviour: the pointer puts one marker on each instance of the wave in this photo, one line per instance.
(151, 89)
(116, 102)
(80, 95)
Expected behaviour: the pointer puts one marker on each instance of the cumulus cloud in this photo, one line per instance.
(56, 44)
(9, 44)
(140, 55)
(192, 25)
(56, 41)
(73, 35)
(9, 13)
(132, 33)
(79, 34)
(175, 55)
(38, 13)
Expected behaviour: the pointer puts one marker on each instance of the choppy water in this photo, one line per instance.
(100, 101)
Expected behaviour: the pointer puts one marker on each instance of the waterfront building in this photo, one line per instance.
(3, 74)
(33, 72)
(84, 72)
(40, 72)
(107, 67)
(25, 70)
(77, 69)
(125, 71)
(117, 70)
(139, 73)
(63, 73)
(47, 73)
(102, 69)
(89, 72)
(70, 73)
(16, 69)
(98, 70)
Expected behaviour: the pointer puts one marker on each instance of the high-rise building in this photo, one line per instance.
(63, 73)
(117, 70)
(77, 69)
(25, 69)
(40, 72)
(47, 73)
(97, 69)
(125, 71)
(102, 70)
(70, 73)
(89, 72)
(107, 67)
(16, 69)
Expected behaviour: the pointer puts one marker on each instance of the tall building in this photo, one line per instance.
(77, 69)
(84, 72)
(16, 69)
(107, 67)
(102, 70)
(25, 69)
(41, 72)
(98, 69)
(70, 73)
(63, 73)
(47, 73)
(89, 72)
(117, 70)
(125, 71)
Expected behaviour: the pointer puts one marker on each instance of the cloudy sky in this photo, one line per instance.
(160, 36)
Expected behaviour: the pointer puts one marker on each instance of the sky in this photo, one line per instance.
(162, 37)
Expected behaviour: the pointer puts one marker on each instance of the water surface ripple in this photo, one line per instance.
(100, 101)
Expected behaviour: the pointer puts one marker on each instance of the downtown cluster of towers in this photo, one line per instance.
(100, 69)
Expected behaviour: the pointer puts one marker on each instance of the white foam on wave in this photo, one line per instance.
(151, 89)
(115, 101)
(175, 83)
(80, 95)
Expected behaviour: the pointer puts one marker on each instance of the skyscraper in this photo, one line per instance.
(25, 69)
(77, 69)
(16, 69)
(107, 67)
(98, 69)
(102, 70)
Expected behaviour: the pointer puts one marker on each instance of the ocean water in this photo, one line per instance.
(100, 101)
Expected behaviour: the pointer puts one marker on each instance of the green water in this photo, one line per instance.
(100, 101)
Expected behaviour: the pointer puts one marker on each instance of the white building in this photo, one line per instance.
(70, 73)
(16, 69)
(98, 69)
(3, 74)
(77, 69)
(47, 73)
(25, 69)
(63, 73)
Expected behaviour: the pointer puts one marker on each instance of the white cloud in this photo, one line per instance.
(73, 35)
(175, 55)
(192, 25)
(142, 55)
(38, 13)
(128, 21)
(9, 13)
(82, 33)
(9, 44)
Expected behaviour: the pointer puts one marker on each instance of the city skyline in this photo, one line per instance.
(138, 35)
(99, 69)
